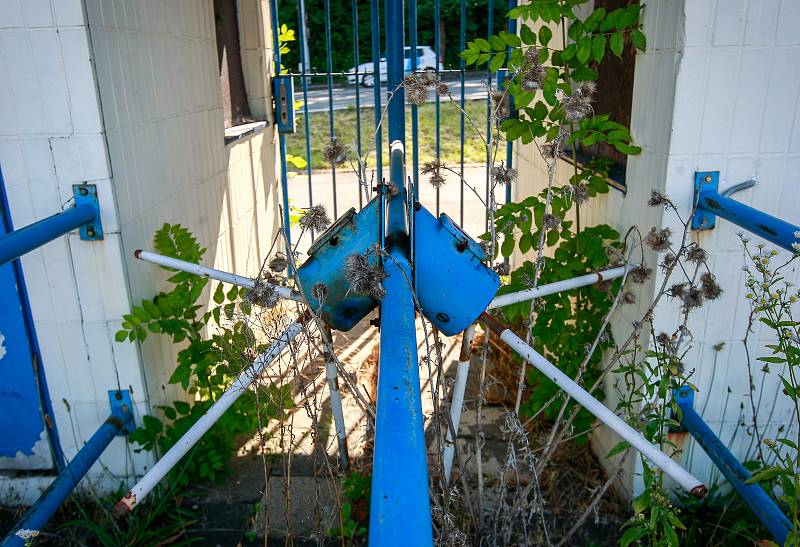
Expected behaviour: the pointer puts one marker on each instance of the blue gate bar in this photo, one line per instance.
(710, 204)
(331, 128)
(301, 13)
(462, 68)
(276, 49)
(376, 86)
(412, 31)
(512, 29)
(21, 241)
(120, 421)
(400, 510)
(756, 498)
(358, 101)
(437, 39)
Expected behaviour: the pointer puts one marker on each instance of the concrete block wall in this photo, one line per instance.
(124, 95)
(717, 89)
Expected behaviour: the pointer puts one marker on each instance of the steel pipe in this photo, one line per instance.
(685, 479)
(203, 271)
(15, 244)
(332, 378)
(201, 426)
(457, 399)
(558, 286)
(763, 506)
(45, 507)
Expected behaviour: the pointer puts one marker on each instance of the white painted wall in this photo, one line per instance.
(124, 95)
(717, 89)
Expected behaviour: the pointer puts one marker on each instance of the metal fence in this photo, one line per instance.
(303, 79)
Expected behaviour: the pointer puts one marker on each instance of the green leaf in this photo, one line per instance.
(545, 35)
(584, 73)
(631, 535)
(508, 245)
(598, 47)
(639, 40)
(525, 242)
(219, 294)
(152, 423)
(593, 21)
(619, 448)
(617, 43)
(527, 35)
(121, 335)
(482, 45)
(765, 475)
(497, 61)
(584, 49)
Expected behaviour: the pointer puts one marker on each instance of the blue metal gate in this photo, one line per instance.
(306, 74)
(26, 427)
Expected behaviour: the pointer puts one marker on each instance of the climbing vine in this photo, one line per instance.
(206, 365)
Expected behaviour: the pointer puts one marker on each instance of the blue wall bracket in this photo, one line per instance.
(763, 507)
(709, 204)
(283, 88)
(87, 194)
(85, 216)
(122, 408)
(704, 181)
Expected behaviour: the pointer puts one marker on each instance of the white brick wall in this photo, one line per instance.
(717, 89)
(124, 95)
(50, 138)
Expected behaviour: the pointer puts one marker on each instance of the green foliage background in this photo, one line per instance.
(341, 17)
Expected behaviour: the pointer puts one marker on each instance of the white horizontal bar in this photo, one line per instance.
(602, 412)
(457, 399)
(188, 267)
(558, 286)
(201, 426)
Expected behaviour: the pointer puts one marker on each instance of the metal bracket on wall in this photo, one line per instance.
(122, 408)
(704, 181)
(284, 103)
(86, 194)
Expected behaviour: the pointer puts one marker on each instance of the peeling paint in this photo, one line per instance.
(2, 345)
(38, 458)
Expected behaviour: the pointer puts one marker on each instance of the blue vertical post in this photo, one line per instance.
(462, 103)
(273, 8)
(400, 506)
(301, 12)
(331, 127)
(756, 498)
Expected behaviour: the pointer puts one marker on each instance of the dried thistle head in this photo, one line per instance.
(578, 105)
(278, 263)
(709, 286)
(264, 291)
(658, 240)
(581, 193)
(604, 285)
(548, 151)
(640, 273)
(678, 290)
(500, 104)
(658, 199)
(501, 268)
(668, 261)
(315, 218)
(335, 152)
(320, 292)
(417, 85)
(433, 168)
(693, 298)
(363, 277)
(503, 175)
(696, 254)
(551, 222)
(533, 73)
(628, 298)
(615, 255)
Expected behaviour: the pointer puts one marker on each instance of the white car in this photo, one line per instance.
(426, 58)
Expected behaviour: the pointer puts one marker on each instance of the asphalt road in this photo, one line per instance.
(344, 96)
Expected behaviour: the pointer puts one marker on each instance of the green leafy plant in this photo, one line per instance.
(551, 86)
(206, 366)
(163, 520)
(354, 514)
(774, 303)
